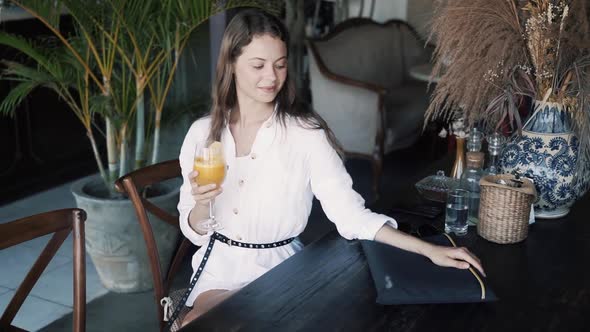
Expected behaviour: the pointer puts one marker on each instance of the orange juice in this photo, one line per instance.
(209, 171)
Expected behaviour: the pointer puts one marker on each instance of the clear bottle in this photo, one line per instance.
(474, 140)
(470, 182)
(473, 143)
(495, 144)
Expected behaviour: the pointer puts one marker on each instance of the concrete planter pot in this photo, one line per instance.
(114, 239)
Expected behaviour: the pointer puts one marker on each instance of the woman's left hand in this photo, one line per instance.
(458, 257)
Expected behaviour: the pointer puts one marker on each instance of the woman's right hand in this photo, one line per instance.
(199, 216)
(203, 194)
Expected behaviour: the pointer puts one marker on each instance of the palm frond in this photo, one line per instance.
(49, 13)
(16, 71)
(24, 46)
(50, 10)
(16, 95)
(99, 104)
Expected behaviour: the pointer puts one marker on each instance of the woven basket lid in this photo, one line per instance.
(496, 181)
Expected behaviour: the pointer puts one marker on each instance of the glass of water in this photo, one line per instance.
(456, 212)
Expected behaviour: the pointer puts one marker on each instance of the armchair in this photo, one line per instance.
(360, 84)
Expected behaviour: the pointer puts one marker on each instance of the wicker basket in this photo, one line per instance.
(504, 209)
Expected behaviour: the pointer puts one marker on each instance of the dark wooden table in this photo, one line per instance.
(543, 284)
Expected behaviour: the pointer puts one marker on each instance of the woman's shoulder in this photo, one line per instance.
(196, 134)
(304, 130)
(200, 127)
(201, 123)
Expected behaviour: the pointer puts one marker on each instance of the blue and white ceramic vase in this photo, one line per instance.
(547, 153)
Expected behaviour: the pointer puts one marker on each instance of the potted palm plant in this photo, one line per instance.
(117, 67)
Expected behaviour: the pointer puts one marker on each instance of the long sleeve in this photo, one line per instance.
(332, 185)
(196, 135)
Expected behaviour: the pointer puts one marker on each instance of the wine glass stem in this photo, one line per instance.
(211, 216)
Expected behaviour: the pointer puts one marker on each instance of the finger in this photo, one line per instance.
(448, 261)
(467, 256)
(459, 264)
(207, 188)
(465, 250)
(208, 195)
(204, 202)
(192, 176)
(199, 190)
(473, 260)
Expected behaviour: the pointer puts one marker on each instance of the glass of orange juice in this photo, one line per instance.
(210, 164)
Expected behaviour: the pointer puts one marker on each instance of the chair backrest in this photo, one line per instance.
(60, 223)
(367, 51)
(132, 184)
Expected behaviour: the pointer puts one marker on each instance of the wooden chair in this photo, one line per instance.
(61, 223)
(132, 184)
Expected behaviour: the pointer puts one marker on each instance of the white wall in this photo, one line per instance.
(384, 9)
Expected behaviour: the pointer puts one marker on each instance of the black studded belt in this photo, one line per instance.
(218, 237)
(226, 240)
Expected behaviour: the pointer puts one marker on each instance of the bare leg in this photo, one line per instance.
(205, 301)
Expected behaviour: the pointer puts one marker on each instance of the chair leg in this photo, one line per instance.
(377, 164)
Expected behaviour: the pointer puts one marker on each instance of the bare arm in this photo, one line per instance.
(460, 257)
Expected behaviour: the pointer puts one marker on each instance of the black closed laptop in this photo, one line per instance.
(402, 277)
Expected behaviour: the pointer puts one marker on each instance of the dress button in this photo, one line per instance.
(241, 182)
(236, 211)
(253, 156)
(239, 238)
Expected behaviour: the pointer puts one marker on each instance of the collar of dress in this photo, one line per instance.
(264, 139)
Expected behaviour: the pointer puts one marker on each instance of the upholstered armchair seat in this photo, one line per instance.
(360, 84)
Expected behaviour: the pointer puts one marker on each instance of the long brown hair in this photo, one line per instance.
(238, 34)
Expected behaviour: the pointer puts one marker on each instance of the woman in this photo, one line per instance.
(279, 156)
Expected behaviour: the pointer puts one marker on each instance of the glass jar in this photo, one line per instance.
(495, 144)
(474, 140)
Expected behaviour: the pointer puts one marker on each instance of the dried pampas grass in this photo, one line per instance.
(492, 54)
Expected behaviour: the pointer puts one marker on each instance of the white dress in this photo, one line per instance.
(267, 197)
